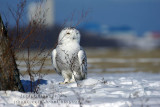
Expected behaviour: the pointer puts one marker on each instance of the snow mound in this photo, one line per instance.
(102, 90)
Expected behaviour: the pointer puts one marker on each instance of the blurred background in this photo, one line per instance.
(119, 36)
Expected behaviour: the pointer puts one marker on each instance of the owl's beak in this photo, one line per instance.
(74, 38)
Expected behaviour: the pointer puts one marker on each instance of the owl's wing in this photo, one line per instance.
(83, 62)
(54, 62)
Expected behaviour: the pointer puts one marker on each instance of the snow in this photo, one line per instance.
(98, 90)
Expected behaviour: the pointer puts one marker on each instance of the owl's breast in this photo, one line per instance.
(67, 56)
(69, 48)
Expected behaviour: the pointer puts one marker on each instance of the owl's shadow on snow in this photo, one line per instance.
(30, 86)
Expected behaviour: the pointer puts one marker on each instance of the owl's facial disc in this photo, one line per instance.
(69, 34)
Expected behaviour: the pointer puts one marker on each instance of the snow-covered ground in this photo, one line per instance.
(98, 90)
(116, 78)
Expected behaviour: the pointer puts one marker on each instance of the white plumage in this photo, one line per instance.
(68, 58)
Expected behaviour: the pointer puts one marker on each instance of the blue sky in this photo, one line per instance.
(140, 15)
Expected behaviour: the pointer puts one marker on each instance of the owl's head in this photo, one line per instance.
(69, 34)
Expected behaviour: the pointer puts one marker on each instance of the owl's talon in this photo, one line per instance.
(72, 80)
(67, 82)
(62, 83)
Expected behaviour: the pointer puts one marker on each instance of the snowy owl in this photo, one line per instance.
(68, 58)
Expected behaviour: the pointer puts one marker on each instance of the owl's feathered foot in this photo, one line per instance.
(73, 79)
(63, 83)
(66, 81)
